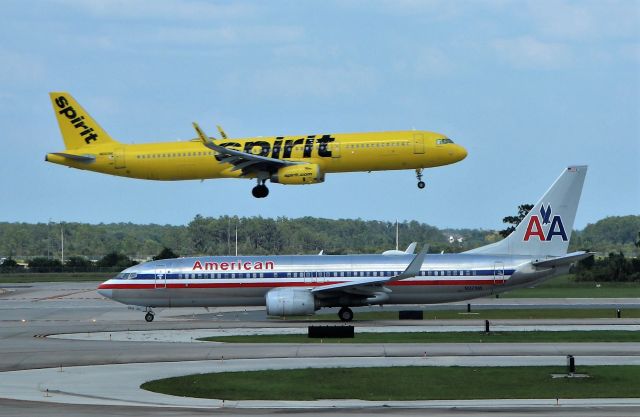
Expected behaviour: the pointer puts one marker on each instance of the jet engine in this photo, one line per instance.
(299, 174)
(290, 302)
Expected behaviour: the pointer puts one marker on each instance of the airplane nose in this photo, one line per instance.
(462, 153)
(103, 291)
(106, 293)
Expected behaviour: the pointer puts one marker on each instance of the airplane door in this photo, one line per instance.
(498, 273)
(160, 280)
(118, 158)
(418, 143)
(335, 150)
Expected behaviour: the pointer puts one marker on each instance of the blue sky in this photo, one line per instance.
(527, 87)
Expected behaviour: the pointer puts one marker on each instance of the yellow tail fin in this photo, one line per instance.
(76, 125)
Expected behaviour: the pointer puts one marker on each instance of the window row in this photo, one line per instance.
(173, 155)
(337, 274)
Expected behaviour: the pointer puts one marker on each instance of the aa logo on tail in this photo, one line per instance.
(545, 227)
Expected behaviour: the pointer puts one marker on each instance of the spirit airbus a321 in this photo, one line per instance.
(300, 285)
(295, 160)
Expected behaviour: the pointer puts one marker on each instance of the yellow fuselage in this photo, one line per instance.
(348, 152)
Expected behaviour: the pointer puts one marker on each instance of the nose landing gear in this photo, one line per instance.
(260, 190)
(421, 183)
(150, 314)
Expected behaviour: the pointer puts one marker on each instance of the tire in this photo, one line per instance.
(149, 317)
(421, 184)
(345, 314)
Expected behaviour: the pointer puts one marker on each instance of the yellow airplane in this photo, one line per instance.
(283, 159)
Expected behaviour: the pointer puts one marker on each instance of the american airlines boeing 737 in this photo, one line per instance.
(302, 284)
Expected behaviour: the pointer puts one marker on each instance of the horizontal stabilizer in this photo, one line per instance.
(80, 158)
(563, 260)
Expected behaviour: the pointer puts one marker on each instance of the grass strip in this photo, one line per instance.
(405, 383)
(489, 314)
(592, 336)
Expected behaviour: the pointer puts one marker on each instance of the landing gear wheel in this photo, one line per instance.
(260, 191)
(149, 317)
(345, 314)
(421, 183)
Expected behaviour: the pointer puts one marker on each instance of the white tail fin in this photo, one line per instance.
(546, 229)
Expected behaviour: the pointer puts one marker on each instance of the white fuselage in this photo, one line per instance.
(245, 280)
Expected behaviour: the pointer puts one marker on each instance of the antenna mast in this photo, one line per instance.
(62, 243)
(397, 234)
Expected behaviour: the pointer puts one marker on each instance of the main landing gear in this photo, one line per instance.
(421, 183)
(260, 190)
(345, 314)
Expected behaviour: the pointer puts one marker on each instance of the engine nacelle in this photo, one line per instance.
(290, 302)
(299, 174)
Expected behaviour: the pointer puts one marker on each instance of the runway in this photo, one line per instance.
(70, 308)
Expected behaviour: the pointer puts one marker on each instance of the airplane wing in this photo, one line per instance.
(563, 260)
(247, 162)
(373, 284)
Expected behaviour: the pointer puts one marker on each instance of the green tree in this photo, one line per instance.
(165, 253)
(523, 210)
(45, 265)
(9, 265)
(115, 260)
(78, 263)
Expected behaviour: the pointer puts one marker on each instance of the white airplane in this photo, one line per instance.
(302, 284)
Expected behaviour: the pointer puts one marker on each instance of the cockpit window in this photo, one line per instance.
(443, 141)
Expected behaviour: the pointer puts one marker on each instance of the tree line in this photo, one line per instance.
(115, 246)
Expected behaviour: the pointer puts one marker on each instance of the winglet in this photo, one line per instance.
(414, 267)
(222, 132)
(204, 138)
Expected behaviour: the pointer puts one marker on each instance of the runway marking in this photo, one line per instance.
(53, 297)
